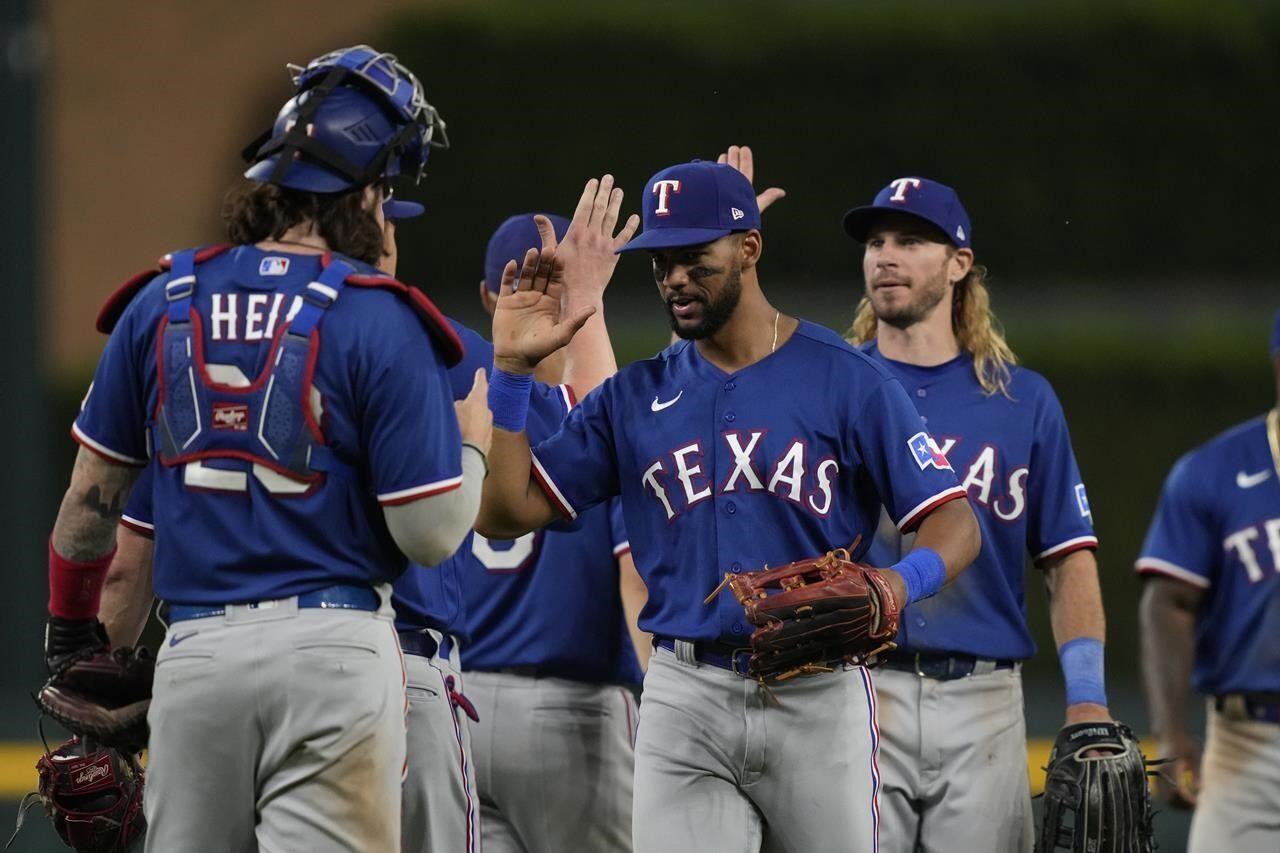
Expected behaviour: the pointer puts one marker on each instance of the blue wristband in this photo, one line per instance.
(1083, 671)
(509, 399)
(923, 573)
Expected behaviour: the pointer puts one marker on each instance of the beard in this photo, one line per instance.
(902, 315)
(715, 312)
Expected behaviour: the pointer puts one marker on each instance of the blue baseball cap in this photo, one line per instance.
(512, 240)
(931, 201)
(695, 203)
(394, 208)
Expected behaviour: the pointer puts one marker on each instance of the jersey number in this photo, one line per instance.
(510, 560)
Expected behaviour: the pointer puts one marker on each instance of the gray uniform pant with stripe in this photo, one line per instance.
(554, 763)
(441, 812)
(953, 756)
(277, 729)
(723, 766)
(1239, 804)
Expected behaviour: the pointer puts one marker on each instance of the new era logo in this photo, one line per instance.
(960, 232)
(232, 416)
(273, 266)
(737, 214)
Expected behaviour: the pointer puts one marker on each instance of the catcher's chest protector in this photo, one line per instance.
(269, 422)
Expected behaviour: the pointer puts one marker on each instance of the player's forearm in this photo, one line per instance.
(512, 503)
(1075, 598)
(86, 525)
(127, 595)
(1167, 621)
(634, 596)
(952, 532)
(589, 358)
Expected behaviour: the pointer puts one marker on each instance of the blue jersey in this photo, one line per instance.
(1014, 458)
(782, 460)
(433, 597)
(1218, 528)
(229, 530)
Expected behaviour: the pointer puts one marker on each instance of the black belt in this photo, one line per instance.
(1260, 707)
(722, 655)
(418, 643)
(938, 666)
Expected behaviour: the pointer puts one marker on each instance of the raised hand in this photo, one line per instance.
(589, 248)
(739, 157)
(528, 323)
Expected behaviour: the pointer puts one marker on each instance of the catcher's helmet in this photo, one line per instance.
(358, 116)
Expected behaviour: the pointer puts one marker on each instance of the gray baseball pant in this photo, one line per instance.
(555, 760)
(724, 765)
(440, 801)
(276, 729)
(953, 757)
(1238, 808)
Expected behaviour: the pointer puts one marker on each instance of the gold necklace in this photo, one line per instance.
(776, 315)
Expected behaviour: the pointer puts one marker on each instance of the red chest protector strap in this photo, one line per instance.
(451, 349)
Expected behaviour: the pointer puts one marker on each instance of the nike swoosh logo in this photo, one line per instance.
(1248, 481)
(175, 639)
(658, 407)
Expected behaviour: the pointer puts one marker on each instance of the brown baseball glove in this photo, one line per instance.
(814, 615)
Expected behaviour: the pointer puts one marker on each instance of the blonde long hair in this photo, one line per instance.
(975, 325)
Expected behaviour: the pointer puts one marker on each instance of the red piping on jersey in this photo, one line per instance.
(551, 494)
(417, 496)
(114, 307)
(923, 513)
(114, 460)
(1079, 546)
(148, 532)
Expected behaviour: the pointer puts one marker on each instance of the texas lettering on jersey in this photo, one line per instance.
(792, 476)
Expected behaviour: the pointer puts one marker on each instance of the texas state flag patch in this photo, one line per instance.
(273, 266)
(926, 452)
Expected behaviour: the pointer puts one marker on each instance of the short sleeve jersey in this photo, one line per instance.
(548, 600)
(724, 473)
(1013, 455)
(227, 530)
(1217, 527)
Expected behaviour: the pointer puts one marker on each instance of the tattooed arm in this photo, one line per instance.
(86, 525)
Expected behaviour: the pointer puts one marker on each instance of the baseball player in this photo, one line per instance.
(756, 440)
(284, 503)
(547, 649)
(1210, 617)
(951, 709)
(440, 802)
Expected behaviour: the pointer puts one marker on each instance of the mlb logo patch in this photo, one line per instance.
(926, 452)
(273, 266)
(1082, 501)
(232, 416)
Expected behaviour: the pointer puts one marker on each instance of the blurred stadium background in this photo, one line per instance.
(1116, 156)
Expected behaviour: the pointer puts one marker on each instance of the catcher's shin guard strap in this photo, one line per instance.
(923, 573)
(75, 589)
(1083, 671)
(509, 399)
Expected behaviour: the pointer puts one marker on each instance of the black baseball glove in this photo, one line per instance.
(93, 795)
(1096, 803)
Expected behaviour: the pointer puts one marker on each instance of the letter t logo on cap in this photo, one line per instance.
(663, 189)
(900, 188)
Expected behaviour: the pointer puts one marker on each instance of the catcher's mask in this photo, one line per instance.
(358, 116)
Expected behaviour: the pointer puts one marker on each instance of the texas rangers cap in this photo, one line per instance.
(931, 201)
(394, 208)
(510, 242)
(695, 203)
